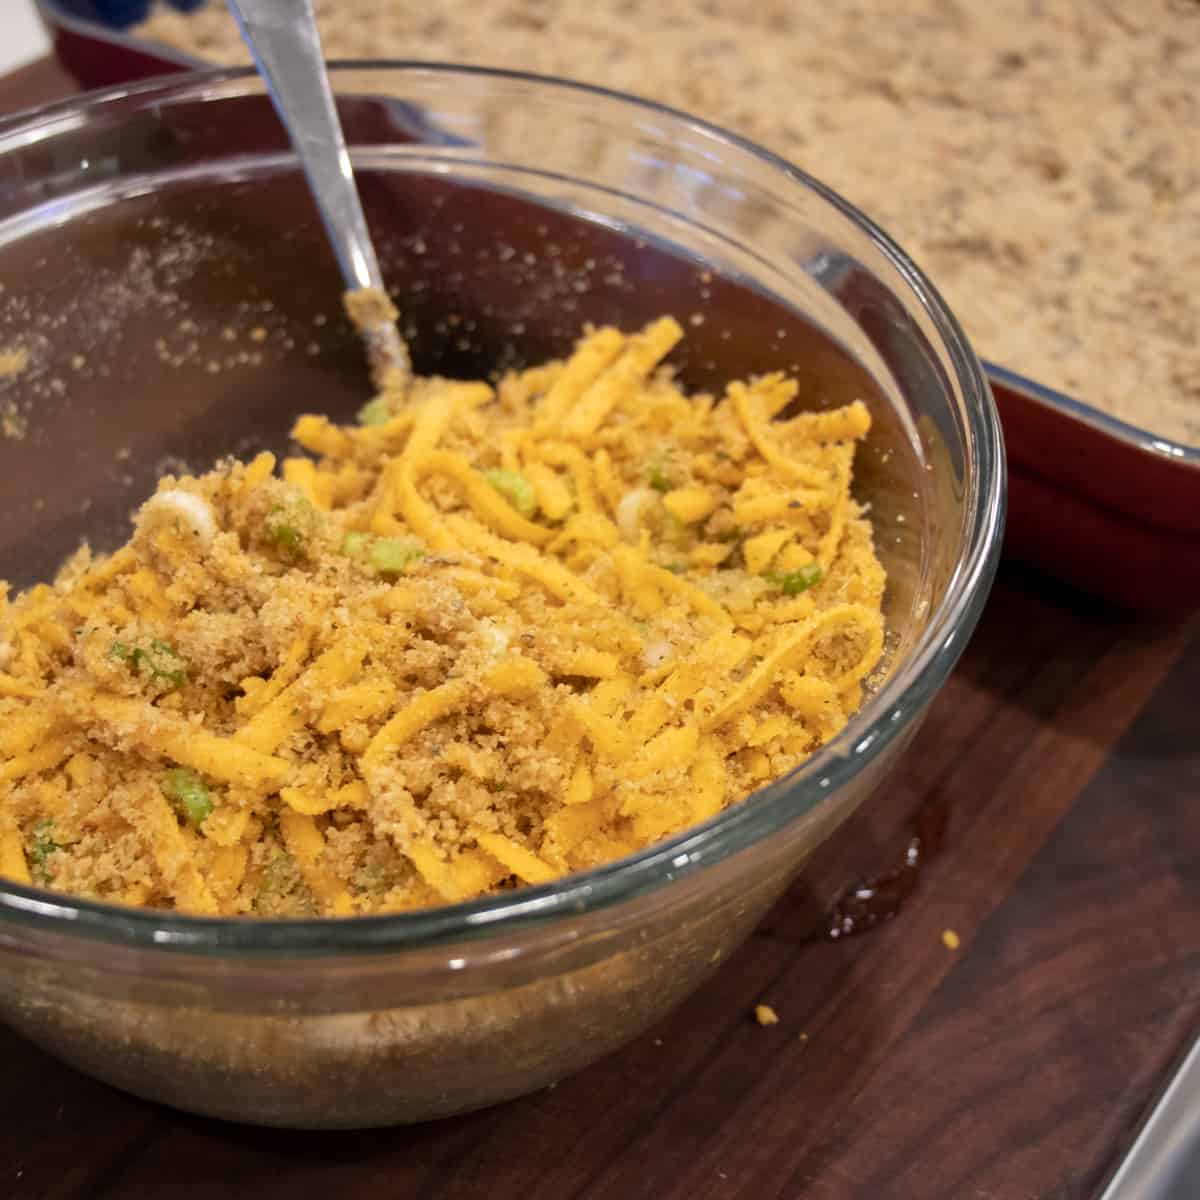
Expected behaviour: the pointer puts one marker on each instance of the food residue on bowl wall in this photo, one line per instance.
(13, 362)
(12, 421)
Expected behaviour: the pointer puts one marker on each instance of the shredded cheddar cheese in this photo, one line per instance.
(490, 637)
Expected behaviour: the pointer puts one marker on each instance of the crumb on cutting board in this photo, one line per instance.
(764, 1014)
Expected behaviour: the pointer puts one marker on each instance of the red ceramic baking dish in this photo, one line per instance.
(1105, 506)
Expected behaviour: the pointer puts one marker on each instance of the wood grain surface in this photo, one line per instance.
(1064, 755)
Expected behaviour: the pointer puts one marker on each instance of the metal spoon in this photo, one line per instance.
(282, 36)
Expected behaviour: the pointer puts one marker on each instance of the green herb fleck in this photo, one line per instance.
(675, 568)
(389, 556)
(515, 488)
(160, 661)
(675, 532)
(39, 853)
(375, 412)
(286, 536)
(274, 875)
(792, 583)
(354, 545)
(190, 795)
(285, 526)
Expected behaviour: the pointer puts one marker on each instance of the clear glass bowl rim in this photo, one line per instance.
(885, 716)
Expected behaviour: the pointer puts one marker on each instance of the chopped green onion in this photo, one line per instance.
(191, 797)
(375, 412)
(389, 556)
(792, 583)
(515, 488)
(118, 650)
(287, 536)
(658, 479)
(675, 568)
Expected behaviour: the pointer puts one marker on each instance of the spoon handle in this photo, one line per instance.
(282, 36)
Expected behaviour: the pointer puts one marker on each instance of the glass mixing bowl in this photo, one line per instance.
(166, 275)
